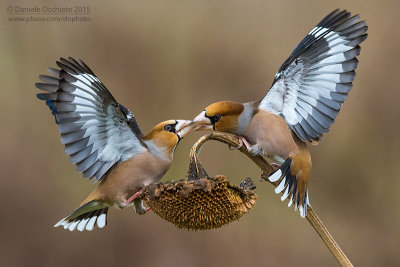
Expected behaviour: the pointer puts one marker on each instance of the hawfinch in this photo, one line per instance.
(105, 142)
(305, 97)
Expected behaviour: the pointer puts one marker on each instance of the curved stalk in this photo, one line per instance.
(266, 168)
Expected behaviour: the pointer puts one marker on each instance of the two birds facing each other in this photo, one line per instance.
(105, 142)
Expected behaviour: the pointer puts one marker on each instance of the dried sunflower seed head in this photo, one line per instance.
(199, 204)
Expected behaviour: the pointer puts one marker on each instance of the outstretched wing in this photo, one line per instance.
(96, 130)
(312, 84)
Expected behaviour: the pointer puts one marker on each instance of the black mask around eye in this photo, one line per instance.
(170, 128)
(215, 119)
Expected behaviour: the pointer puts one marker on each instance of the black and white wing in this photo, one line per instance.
(311, 85)
(96, 130)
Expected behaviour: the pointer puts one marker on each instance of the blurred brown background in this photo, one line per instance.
(169, 59)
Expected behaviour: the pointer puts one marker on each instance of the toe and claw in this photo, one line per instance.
(138, 194)
(254, 150)
(135, 197)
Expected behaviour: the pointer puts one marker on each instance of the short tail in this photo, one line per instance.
(288, 185)
(86, 217)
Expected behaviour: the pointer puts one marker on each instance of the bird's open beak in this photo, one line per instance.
(201, 122)
(183, 127)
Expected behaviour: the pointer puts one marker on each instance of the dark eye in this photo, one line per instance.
(215, 118)
(169, 128)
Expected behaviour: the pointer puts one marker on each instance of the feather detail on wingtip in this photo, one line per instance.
(92, 124)
(312, 84)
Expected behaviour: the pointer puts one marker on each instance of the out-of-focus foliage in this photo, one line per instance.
(169, 59)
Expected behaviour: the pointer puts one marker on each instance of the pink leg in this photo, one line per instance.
(275, 166)
(242, 140)
(137, 194)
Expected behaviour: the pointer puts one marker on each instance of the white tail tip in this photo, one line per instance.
(281, 186)
(275, 176)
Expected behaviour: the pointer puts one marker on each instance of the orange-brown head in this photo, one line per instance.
(166, 135)
(220, 116)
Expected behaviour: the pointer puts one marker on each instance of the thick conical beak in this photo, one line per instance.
(201, 122)
(183, 127)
